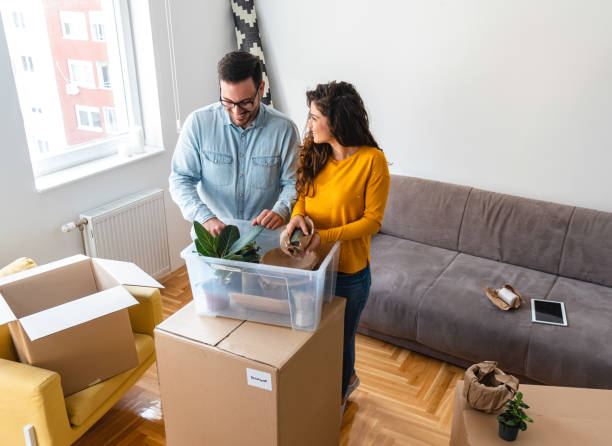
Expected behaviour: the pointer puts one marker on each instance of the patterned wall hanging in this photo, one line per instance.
(248, 39)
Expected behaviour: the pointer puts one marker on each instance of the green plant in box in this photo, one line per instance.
(513, 418)
(227, 245)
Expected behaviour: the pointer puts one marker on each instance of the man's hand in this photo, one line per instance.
(297, 221)
(268, 219)
(214, 226)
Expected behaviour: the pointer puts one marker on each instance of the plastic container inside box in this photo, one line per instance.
(262, 293)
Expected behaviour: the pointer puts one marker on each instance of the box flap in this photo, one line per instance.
(206, 329)
(42, 269)
(6, 314)
(127, 273)
(271, 344)
(76, 312)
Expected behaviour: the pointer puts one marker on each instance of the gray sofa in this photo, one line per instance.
(440, 243)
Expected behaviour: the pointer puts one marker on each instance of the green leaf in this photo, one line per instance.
(245, 239)
(207, 240)
(202, 249)
(228, 236)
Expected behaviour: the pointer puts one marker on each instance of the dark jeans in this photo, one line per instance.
(355, 288)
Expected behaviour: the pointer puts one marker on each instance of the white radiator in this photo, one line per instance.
(132, 229)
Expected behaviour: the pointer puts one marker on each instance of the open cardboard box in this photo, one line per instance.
(70, 316)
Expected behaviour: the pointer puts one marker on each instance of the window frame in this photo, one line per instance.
(87, 65)
(95, 22)
(89, 110)
(27, 64)
(106, 112)
(101, 84)
(78, 34)
(90, 152)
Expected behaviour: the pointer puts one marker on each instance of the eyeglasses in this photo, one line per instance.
(247, 104)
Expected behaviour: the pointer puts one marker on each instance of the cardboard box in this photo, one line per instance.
(561, 415)
(70, 316)
(231, 382)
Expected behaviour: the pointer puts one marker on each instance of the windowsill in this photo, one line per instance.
(54, 180)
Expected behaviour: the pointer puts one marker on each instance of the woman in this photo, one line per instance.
(342, 185)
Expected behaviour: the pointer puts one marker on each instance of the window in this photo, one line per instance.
(28, 63)
(88, 118)
(18, 19)
(81, 73)
(79, 126)
(97, 26)
(103, 76)
(110, 120)
(43, 146)
(73, 25)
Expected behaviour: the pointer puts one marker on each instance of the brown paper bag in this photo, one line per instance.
(303, 242)
(499, 302)
(487, 387)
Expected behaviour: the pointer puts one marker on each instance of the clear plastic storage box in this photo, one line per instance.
(261, 293)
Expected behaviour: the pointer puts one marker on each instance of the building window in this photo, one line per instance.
(18, 19)
(110, 120)
(103, 75)
(43, 146)
(96, 21)
(81, 73)
(74, 25)
(28, 63)
(88, 118)
(68, 63)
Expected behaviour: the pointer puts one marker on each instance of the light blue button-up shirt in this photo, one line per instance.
(221, 170)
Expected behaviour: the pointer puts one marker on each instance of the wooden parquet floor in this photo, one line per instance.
(404, 398)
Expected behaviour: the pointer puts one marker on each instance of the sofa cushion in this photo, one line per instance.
(514, 230)
(402, 270)
(82, 404)
(580, 354)
(457, 318)
(425, 211)
(587, 254)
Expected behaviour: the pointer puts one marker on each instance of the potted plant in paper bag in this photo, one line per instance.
(513, 418)
(228, 245)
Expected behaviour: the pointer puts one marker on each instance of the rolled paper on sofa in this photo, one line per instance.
(507, 296)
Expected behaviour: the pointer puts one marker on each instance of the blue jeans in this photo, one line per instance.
(356, 289)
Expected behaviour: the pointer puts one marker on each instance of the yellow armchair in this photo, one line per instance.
(33, 396)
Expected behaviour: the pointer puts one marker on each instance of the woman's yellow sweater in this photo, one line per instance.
(348, 204)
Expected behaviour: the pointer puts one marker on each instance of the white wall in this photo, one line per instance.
(30, 221)
(510, 96)
(507, 96)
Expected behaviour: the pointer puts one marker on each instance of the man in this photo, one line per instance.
(236, 158)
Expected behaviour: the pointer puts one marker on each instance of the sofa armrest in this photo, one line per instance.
(31, 395)
(145, 316)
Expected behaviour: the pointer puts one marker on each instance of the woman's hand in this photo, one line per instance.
(297, 221)
(314, 243)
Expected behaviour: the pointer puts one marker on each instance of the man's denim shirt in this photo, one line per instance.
(237, 173)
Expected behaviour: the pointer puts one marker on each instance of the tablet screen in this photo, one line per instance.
(548, 311)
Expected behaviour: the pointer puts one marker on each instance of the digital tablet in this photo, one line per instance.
(548, 312)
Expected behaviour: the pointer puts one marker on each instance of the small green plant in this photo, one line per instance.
(228, 244)
(515, 416)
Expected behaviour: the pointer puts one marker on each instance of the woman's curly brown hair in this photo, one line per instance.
(348, 120)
